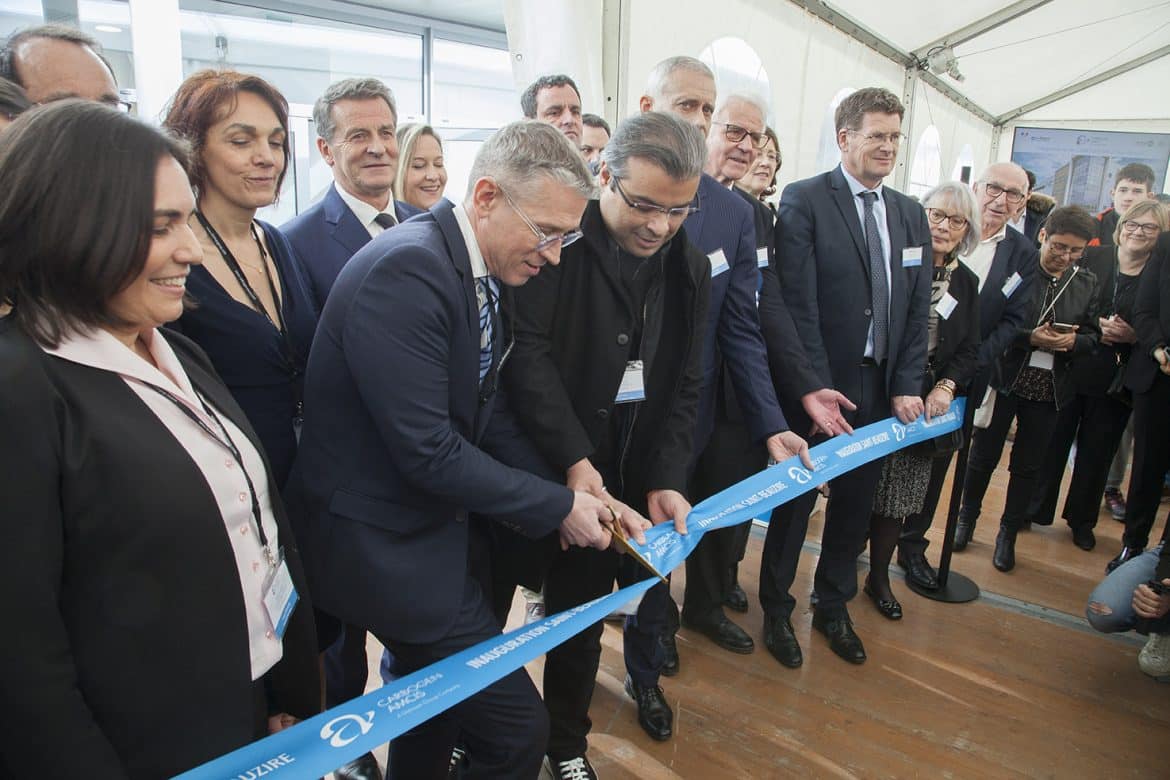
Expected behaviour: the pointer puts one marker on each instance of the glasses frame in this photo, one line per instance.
(895, 139)
(1145, 228)
(1066, 251)
(949, 218)
(995, 190)
(543, 240)
(736, 134)
(648, 209)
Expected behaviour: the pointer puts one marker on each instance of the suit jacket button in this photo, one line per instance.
(603, 414)
(868, 313)
(623, 339)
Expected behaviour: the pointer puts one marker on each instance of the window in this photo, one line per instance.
(926, 170)
(828, 153)
(738, 69)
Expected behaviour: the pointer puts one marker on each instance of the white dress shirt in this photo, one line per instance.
(365, 213)
(981, 256)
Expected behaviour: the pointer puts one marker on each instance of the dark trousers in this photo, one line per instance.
(1035, 422)
(504, 726)
(575, 576)
(1096, 424)
(846, 522)
(346, 666)
(1151, 459)
(729, 457)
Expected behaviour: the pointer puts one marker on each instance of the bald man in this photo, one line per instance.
(52, 62)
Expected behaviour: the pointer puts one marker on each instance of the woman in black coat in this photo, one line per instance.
(910, 482)
(143, 529)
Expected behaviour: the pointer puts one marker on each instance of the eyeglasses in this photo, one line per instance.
(937, 216)
(1146, 228)
(544, 240)
(735, 134)
(650, 209)
(995, 190)
(1058, 248)
(897, 139)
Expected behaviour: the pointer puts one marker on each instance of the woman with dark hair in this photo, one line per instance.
(760, 180)
(254, 314)
(148, 577)
(912, 478)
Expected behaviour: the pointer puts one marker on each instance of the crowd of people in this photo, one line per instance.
(235, 448)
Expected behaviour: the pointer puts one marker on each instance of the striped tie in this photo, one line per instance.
(487, 293)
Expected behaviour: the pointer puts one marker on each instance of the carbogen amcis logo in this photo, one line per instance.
(338, 733)
(799, 474)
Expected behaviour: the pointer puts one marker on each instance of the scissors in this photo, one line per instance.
(622, 543)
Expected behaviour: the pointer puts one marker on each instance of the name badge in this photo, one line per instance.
(762, 257)
(718, 262)
(911, 256)
(632, 387)
(946, 306)
(1041, 359)
(280, 596)
(1011, 284)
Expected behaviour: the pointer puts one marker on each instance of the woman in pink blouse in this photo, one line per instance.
(154, 601)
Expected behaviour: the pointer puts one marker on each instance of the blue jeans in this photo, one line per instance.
(1110, 607)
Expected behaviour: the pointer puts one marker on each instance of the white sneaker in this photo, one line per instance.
(577, 768)
(1154, 659)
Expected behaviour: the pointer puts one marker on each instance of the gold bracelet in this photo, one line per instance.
(945, 384)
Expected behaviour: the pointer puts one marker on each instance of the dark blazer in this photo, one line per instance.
(956, 356)
(391, 459)
(127, 643)
(572, 326)
(325, 235)
(1001, 316)
(1078, 305)
(1151, 319)
(725, 222)
(824, 277)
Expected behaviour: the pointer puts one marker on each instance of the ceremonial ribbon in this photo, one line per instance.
(324, 742)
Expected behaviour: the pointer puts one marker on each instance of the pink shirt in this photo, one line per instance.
(100, 349)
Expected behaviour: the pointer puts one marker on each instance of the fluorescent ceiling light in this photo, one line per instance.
(107, 28)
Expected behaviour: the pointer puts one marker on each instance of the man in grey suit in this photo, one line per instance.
(854, 264)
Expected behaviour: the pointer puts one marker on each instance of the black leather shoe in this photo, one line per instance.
(1084, 538)
(919, 571)
(890, 608)
(1126, 554)
(781, 642)
(361, 768)
(724, 633)
(1004, 557)
(964, 529)
(670, 665)
(839, 631)
(736, 599)
(654, 715)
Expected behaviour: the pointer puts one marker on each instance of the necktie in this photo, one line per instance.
(878, 285)
(487, 293)
(385, 221)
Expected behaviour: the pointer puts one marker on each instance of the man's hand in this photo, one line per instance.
(1115, 330)
(938, 401)
(582, 527)
(784, 445)
(823, 407)
(906, 408)
(632, 521)
(1044, 337)
(280, 722)
(1148, 604)
(1162, 356)
(668, 505)
(582, 476)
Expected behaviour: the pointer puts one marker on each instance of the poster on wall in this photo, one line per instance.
(1077, 167)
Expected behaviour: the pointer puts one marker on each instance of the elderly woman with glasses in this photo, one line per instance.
(1100, 410)
(912, 479)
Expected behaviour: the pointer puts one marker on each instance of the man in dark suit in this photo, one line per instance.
(854, 263)
(356, 121)
(393, 460)
(1005, 262)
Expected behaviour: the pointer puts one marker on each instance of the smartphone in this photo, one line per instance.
(1158, 588)
(1063, 327)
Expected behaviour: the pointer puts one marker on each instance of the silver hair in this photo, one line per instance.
(675, 146)
(752, 99)
(663, 71)
(348, 89)
(959, 196)
(520, 154)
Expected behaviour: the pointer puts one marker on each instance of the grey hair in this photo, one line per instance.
(665, 69)
(348, 89)
(675, 146)
(959, 195)
(751, 98)
(520, 154)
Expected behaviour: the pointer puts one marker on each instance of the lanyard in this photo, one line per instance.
(1052, 306)
(223, 439)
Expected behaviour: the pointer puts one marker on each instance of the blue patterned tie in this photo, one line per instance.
(878, 286)
(487, 293)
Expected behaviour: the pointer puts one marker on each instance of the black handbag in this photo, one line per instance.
(1117, 389)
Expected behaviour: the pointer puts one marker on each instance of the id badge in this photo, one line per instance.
(946, 306)
(1041, 359)
(280, 596)
(718, 262)
(1011, 284)
(632, 387)
(762, 257)
(912, 257)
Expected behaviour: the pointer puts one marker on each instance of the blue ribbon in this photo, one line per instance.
(324, 742)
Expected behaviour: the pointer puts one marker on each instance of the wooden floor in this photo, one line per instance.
(1013, 684)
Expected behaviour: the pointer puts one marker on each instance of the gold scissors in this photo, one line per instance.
(622, 543)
